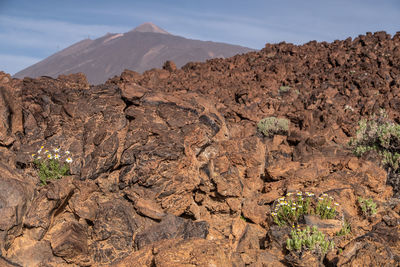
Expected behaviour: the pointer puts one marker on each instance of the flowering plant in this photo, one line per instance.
(289, 209)
(326, 209)
(51, 165)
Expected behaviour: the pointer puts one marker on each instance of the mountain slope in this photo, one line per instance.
(141, 49)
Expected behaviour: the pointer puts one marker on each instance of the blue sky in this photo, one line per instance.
(33, 30)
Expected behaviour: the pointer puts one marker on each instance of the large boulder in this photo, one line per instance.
(16, 195)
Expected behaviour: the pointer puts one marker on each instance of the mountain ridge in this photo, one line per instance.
(145, 47)
(149, 27)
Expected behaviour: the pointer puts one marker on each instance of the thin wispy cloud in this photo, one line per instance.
(61, 30)
(44, 36)
(275, 22)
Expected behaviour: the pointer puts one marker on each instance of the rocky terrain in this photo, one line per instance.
(169, 168)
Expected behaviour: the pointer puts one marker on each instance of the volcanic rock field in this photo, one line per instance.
(170, 168)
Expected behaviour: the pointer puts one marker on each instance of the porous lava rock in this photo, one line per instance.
(169, 168)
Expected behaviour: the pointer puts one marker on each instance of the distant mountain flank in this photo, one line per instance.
(145, 47)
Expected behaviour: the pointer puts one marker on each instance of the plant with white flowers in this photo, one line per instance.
(288, 210)
(51, 165)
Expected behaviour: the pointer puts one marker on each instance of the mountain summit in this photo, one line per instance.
(145, 47)
(149, 27)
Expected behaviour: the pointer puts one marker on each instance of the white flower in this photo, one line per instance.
(49, 156)
(328, 208)
(300, 206)
(336, 204)
(69, 160)
(56, 156)
(299, 193)
(67, 152)
(46, 151)
(56, 150)
(294, 208)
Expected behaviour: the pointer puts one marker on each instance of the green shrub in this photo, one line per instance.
(368, 206)
(309, 239)
(271, 125)
(51, 166)
(324, 208)
(381, 135)
(284, 89)
(346, 229)
(289, 210)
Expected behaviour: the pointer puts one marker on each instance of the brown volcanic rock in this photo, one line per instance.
(15, 197)
(169, 228)
(169, 169)
(179, 252)
(87, 124)
(70, 242)
(165, 134)
(112, 231)
(379, 247)
(10, 109)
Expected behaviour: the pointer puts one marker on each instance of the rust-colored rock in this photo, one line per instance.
(169, 168)
(169, 228)
(70, 243)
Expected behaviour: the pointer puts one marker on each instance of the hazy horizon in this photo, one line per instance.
(31, 31)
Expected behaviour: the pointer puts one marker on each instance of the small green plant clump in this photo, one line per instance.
(368, 206)
(325, 208)
(284, 89)
(271, 125)
(51, 166)
(309, 239)
(381, 135)
(346, 229)
(289, 209)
